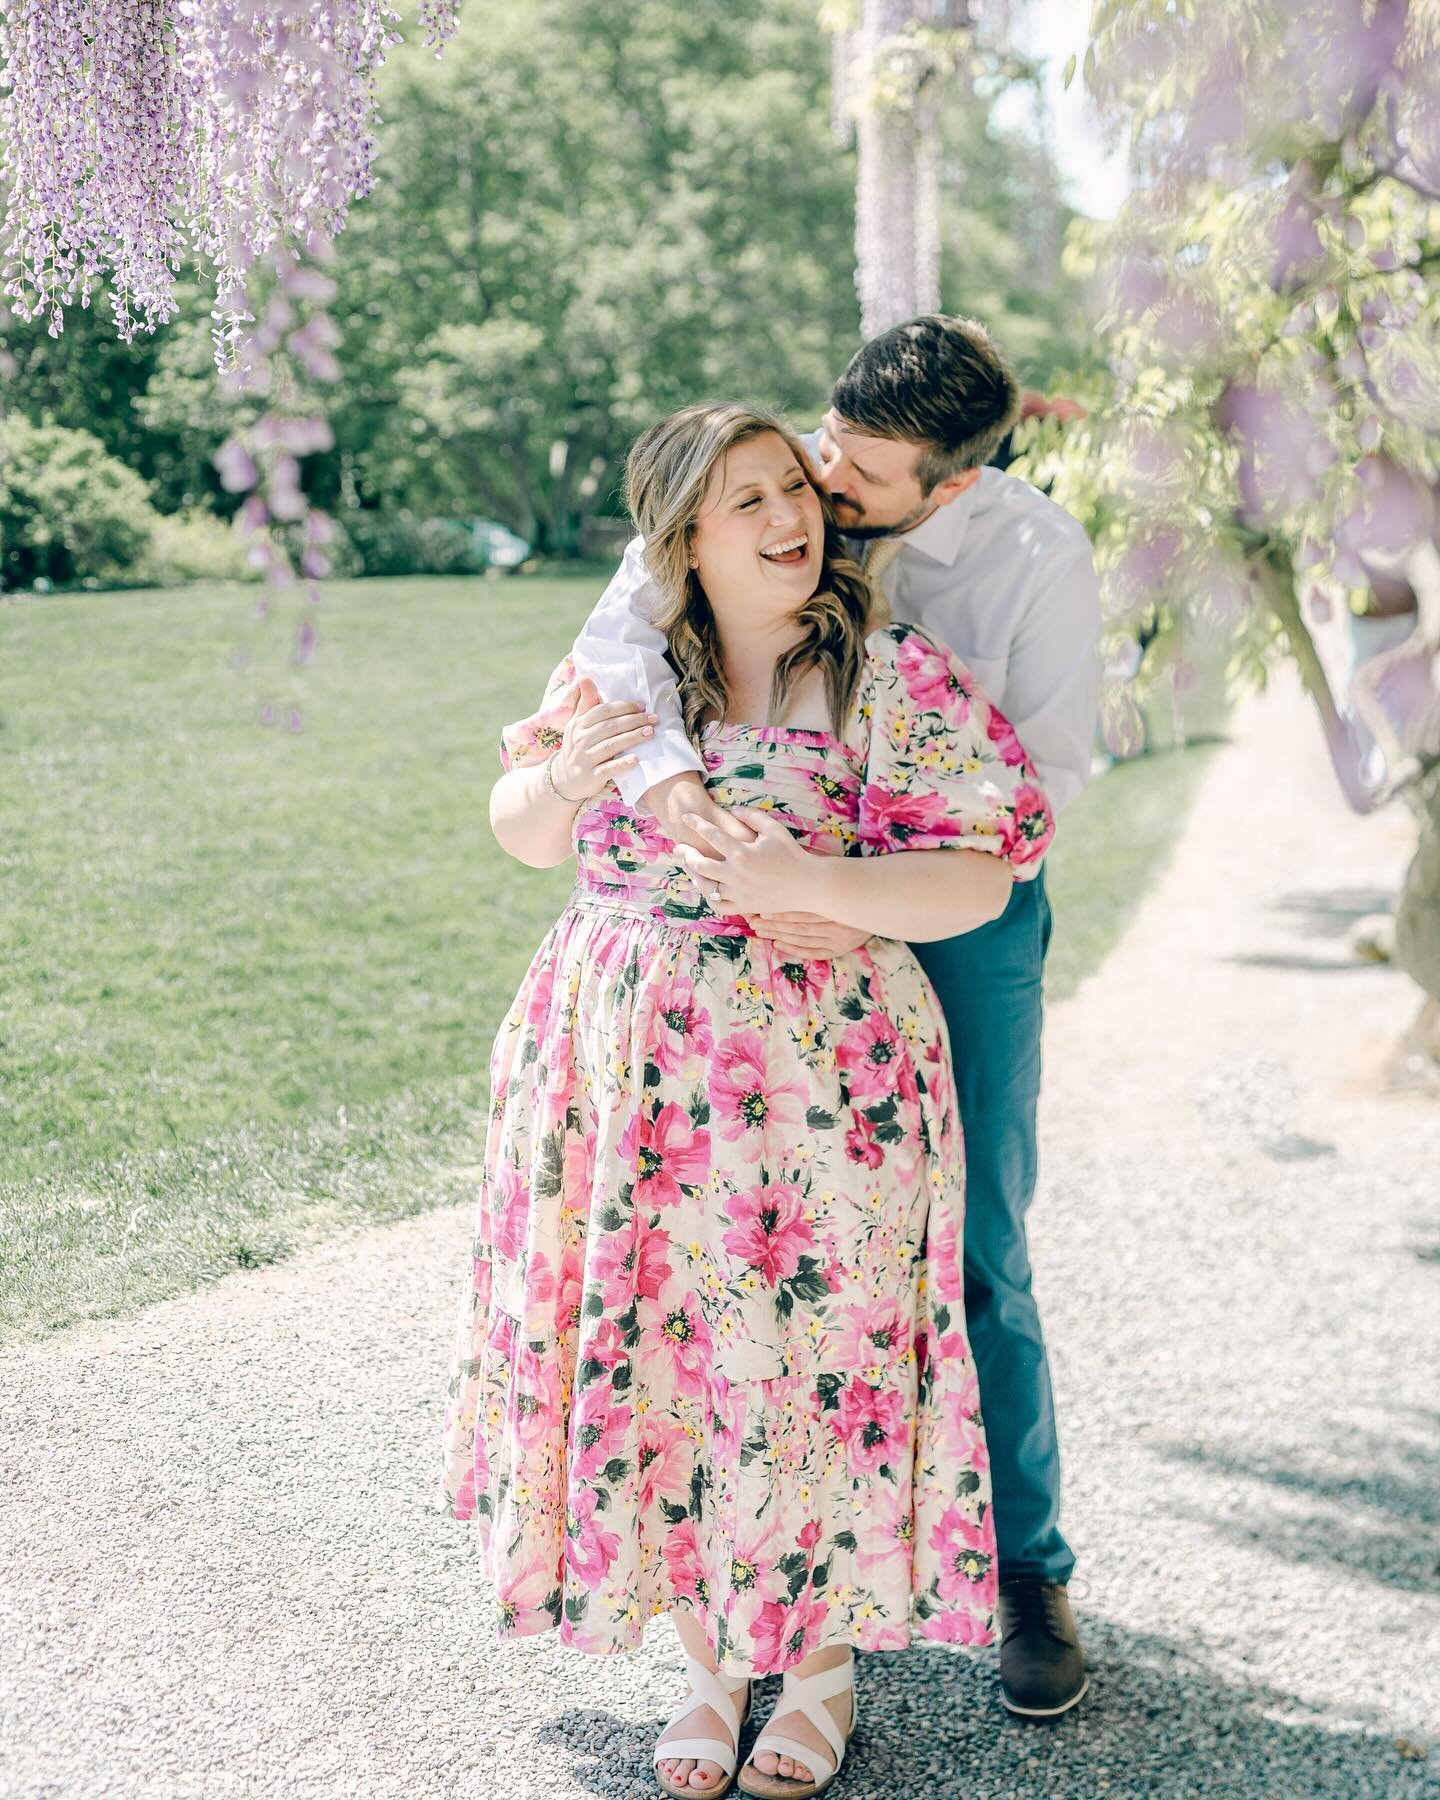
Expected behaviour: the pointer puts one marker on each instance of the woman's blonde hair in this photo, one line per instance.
(666, 479)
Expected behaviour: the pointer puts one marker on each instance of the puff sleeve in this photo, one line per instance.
(943, 768)
(530, 742)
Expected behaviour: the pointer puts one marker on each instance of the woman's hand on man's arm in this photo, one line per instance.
(533, 807)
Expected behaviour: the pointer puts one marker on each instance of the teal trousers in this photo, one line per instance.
(988, 982)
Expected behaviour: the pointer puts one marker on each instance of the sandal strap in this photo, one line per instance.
(806, 1695)
(707, 1688)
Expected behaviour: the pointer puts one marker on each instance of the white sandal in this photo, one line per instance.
(804, 1694)
(707, 1688)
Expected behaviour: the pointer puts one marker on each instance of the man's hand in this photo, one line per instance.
(672, 798)
(806, 937)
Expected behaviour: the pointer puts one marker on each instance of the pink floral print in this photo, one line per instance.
(711, 1350)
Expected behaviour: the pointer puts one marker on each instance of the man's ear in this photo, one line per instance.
(944, 492)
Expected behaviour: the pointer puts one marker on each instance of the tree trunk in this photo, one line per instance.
(1417, 915)
(1417, 911)
(889, 77)
(887, 213)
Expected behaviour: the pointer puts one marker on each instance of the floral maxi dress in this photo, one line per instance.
(712, 1350)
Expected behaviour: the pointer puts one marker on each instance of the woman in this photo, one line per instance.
(712, 1358)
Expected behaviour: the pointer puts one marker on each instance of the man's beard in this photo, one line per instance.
(864, 532)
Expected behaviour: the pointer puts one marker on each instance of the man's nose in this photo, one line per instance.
(835, 473)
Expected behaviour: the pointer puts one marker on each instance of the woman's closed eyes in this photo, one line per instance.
(754, 500)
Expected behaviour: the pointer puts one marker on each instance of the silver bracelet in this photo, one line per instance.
(550, 783)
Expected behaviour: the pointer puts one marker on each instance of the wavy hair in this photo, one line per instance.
(667, 475)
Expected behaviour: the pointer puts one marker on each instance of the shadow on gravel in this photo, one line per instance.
(1326, 914)
(1380, 1520)
(1157, 1722)
(1330, 912)
(1305, 965)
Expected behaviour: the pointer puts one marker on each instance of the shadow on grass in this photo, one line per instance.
(1157, 1721)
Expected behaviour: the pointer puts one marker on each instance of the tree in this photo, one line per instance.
(897, 67)
(1268, 452)
(632, 208)
(690, 231)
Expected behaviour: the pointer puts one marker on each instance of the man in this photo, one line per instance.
(989, 566)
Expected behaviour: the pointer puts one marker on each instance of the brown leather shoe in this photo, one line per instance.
(1042, 1667)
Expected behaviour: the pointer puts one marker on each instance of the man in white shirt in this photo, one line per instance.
(988, 565)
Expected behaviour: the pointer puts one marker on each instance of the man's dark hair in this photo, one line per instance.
(937, 382)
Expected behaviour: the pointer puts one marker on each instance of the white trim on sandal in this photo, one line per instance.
(806, 1695)
(707, 1688)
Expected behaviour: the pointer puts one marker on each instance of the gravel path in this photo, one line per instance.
(219, 1573)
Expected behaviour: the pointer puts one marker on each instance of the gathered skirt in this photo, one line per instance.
(711, 1352)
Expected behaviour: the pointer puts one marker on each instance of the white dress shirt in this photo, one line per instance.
(1002, 575)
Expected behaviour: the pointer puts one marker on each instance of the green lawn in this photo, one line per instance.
(1110, 847)
(251, 975)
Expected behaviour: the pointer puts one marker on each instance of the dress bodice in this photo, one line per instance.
(923, 762)
(809, 780)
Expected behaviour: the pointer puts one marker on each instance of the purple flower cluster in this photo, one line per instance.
(1272, 322)
(135, 133)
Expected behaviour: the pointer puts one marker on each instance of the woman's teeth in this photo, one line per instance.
(791, 551)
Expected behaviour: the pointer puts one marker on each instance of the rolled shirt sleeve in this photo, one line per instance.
(623, 653)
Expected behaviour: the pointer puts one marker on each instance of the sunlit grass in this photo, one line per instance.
(251, 975)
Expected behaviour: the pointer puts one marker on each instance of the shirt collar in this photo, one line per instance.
(939, 537)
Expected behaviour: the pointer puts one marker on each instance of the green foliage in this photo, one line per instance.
(181, 412)
(397, 543)
(1003, 226)
(634, 208)
(69, 512)
(87, 379)
(192, 545)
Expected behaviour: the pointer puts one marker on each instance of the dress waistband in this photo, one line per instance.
(657, 906)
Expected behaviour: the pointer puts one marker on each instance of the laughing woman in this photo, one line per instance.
(712, 1356)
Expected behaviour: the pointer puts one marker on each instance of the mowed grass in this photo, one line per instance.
(1111, 845)
(251, 975)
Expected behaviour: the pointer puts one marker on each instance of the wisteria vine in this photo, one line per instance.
(1272, 329)
(137, 133)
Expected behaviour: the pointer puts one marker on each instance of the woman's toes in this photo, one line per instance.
(767, 1762)
(704, 1775)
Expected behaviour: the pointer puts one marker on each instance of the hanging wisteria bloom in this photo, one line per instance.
(1264, 461)
(1272, 322)
(137, 135)
(135, 132)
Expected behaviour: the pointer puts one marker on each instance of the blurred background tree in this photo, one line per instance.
(1261, 472)
(635, 206)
